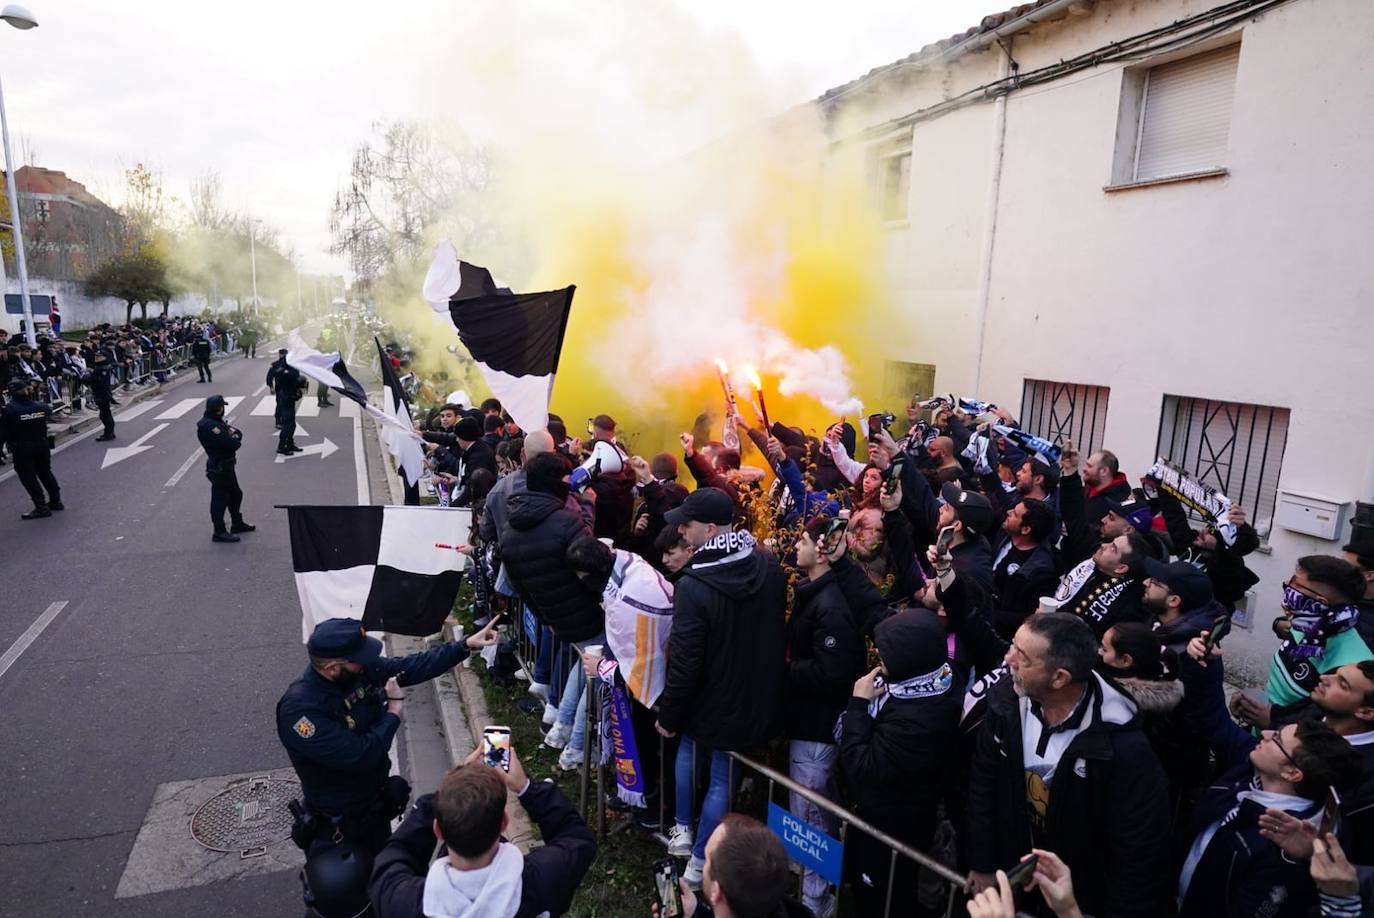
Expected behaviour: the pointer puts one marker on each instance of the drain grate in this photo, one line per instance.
(246, 816)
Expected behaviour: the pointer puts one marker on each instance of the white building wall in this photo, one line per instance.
(82, 311)
(1256, 287)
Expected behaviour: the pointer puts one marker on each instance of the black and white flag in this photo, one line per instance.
(395, 569)
(399, 438)
(329, 369)
(515, 338)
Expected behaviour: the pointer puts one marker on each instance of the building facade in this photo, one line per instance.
(1145, 225)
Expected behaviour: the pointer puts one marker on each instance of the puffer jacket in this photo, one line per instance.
(727, 653)
(825, 656)
(534, 543)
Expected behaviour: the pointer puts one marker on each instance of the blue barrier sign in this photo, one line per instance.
(531, 625)
(806, 844)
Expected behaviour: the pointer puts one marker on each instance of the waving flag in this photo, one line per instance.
(515, 338)
(399, 435)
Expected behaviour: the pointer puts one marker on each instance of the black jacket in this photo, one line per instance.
(1101, 600)
(825, 655)
(1082, 514)
(24, 424)
(338, 737)
(726, 655)
(220, 441)
(534, 544)
(1225, 566)
(98, 377)
(552, 872)
(478, 455)
(200, 349)
(1107, 814)
(896, 763)
(1018, 591)
(863, 597)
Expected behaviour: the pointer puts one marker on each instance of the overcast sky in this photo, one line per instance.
(275, 95)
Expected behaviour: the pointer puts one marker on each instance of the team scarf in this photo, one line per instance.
(639, 618)
(1317, 621)
(617, 726)
(729, 545)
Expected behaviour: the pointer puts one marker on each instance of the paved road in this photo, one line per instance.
(165, 662)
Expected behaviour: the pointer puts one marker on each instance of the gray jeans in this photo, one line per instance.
(812, 765)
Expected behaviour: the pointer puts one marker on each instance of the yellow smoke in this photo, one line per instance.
(649, 166)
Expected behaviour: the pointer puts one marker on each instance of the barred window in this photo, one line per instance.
(1235, 447)
(1057, 411)
(890, 177)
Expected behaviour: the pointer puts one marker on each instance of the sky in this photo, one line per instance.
(275, 96)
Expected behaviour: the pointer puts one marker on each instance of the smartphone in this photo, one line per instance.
(666, 888)
(1021, 873)
(1220, 628)
(943, 540)
(1331, 814)
(893, 476)
(496, 747)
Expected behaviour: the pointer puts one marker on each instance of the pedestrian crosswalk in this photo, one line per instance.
(265, 406)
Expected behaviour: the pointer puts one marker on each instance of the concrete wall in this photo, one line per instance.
(1256, 287)
(82, 311)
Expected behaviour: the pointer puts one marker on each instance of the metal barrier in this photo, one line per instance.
(526, 651)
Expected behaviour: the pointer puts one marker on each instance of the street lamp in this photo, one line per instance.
(253, 258)
(21, 19)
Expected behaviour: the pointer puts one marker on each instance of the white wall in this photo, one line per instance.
(82, 311)
(1257, 287)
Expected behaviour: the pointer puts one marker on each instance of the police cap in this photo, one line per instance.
(344, 639)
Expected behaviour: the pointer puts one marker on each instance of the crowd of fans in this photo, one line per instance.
(1009, 658)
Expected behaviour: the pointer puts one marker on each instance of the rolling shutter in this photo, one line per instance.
(1187, 115)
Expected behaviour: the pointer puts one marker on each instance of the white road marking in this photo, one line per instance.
(323, 450)
(349, 408)
(29, 636)
(359, 463)
(231, 403)
(180, 408)
(265, 408)
(133, 411)
(120, 453)
(308, 408)
(260, 390)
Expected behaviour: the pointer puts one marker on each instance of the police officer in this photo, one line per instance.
(285, 381)
(100, 380)
(337, 722)
(200, 353)
(221, 442)
(25, 424)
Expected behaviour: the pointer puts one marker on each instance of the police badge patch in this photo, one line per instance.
(304, 728)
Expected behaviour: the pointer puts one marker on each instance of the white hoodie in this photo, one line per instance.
(491, 892)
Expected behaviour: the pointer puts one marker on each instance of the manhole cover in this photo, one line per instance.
(246, 816)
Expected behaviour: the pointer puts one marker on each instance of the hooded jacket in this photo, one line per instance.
(405, 885)
(534, 544)
(727, 653)
(825, 655)
(1107, 814)
(1176, 634)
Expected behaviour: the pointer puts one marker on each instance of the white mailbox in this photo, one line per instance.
(1311, 515)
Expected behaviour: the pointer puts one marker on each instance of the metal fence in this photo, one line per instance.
(147, 368)
(525, 637)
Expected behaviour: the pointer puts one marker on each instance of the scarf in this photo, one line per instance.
(491, 892)
(1316, 621)
(639, 618)
(727, 546)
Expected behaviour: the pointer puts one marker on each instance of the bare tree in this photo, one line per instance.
(205, 203)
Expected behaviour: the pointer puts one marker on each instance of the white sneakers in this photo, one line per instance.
(558, 736)
(539, 690)
(570, 759)
(680, 841)
(550, 715)
(693, 873)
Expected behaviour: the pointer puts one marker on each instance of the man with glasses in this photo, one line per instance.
(1318, 627)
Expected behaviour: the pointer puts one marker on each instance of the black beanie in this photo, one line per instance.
(468, 429)
(911, 643)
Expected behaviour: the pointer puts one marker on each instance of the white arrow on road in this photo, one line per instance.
(120, 453)
(323, 450)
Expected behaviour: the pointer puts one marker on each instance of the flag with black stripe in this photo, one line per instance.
(395, 569)
(515, 338)
(329, 369)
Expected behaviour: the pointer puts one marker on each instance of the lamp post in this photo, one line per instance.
(21, 19)
(253, 259)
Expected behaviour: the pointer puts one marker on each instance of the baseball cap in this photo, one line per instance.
(344, 639)
(704, 505)
(1185, 581)
(1133, 510)
(972, 508)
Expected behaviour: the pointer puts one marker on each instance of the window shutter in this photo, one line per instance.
(1187, 115)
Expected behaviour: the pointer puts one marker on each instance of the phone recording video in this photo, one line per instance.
(496, 747)
(1021, 873)
(666, 888)
(944, 540)
(1220, 628)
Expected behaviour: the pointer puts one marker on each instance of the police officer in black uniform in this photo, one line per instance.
(101, 382)
(337, 722)
(285, 381)
(25, 425)
(221, 442)
(200, 353)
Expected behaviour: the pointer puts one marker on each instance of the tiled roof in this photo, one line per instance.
(37, 180)
(935, 49)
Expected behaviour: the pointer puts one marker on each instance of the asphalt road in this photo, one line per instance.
(166, 662)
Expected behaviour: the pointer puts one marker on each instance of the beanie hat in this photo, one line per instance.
(468, 429)
(911, 643)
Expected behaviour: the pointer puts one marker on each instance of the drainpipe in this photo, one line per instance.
(999, 137)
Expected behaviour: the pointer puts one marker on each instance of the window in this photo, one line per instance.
(890, 177)
(1234, 447)
(1185, 115)
(1057, 411)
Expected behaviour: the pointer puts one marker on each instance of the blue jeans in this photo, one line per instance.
(572, 706)
(718, 792)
